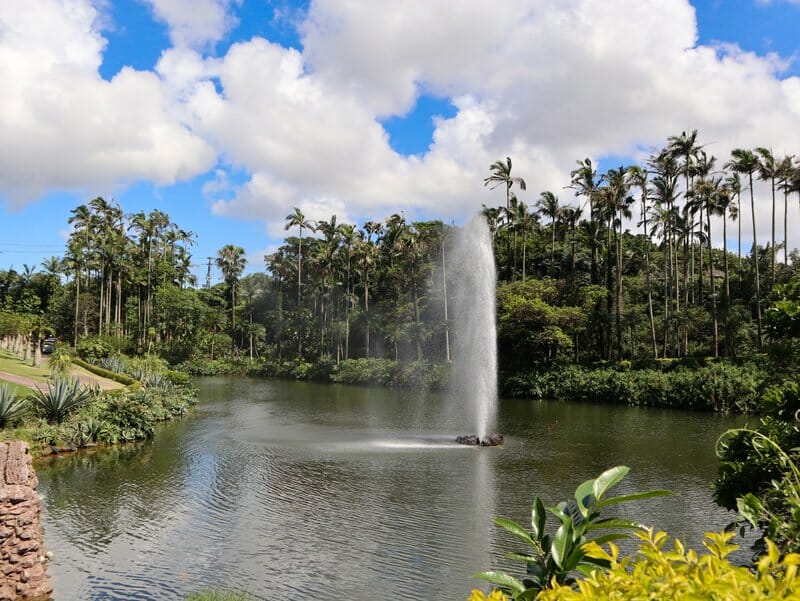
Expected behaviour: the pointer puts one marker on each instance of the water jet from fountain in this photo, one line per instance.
(475, 332)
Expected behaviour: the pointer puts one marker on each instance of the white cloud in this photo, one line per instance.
(63, 126)
(544, 83)
(195, 23)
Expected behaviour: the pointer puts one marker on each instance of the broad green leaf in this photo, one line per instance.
(538, 519)
(514, 529)
(750, 507)
(521, 557)
(562, 543)
(608, 479)
(615, 523)
(502, 579)
(584, 495)
(607, 538)
(528, 595)
(635, 497)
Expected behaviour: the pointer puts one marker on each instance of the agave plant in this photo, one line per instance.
(11, 406)
(62, 397)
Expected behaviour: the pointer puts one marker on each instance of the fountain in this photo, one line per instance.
(475, 332)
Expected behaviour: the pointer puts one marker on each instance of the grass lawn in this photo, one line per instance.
(12, 364)
(16, 389)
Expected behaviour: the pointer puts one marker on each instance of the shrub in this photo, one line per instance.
(60, 361)
(552, 560)
(62, 397)
(94, 348)
(121, 378)
(658, 573)
(364, 371)
(11, 406)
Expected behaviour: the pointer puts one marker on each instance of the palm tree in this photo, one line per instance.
(745, 161)
(768, 171)
(584, 182)
(231, 261)
(501, 174)
(298, 220)
(734, 184)
(638, 177)
(550, 208)
(571, 217)
(618, 203)
(785, 170)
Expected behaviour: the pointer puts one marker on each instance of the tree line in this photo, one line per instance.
(628, 271)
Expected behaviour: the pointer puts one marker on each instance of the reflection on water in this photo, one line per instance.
(331, 492)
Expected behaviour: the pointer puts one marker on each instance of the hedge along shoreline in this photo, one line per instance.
(719, 386)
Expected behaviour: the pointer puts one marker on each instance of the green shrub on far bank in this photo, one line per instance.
(427, 375)
(718, 386)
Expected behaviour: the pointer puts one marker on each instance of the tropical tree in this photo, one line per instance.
(501, 174)
(768, 171)
(746, 161)
(231, 261)
(298, 220)
(549, 207)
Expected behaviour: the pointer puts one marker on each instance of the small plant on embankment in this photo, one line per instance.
(62, 397)
(552, 559)
(12, 406)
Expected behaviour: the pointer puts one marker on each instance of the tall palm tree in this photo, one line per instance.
(549, 207)
(618, 202)
(298, 220)
(638, 177)
(231, 261)
(585, 183)
(734, 183)
(571, 217)
(501, 174)
(768, 171)
(746, 161)
(785, 170)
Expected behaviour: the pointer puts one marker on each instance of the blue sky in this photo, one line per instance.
(227, 113)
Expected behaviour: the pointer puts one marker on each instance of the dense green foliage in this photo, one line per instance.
(551, 559)
(657, 572)
(717, 386)
(12, 406)
(373, 303)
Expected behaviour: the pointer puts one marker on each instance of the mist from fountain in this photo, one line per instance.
(472, 312)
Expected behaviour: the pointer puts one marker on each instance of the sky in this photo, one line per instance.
(227, 114)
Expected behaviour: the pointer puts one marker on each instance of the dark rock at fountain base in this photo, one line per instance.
(493, 440)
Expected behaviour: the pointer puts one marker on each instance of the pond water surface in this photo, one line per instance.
(301, 491)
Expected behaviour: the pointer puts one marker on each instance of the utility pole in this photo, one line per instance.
(208, 273)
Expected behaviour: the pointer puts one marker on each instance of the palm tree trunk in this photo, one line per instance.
(773, 230)
(620, 352)
(647, 281)
(715, 348)
(755, 263)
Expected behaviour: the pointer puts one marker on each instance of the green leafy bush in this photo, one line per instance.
(552, 559)
(94, 348)
(364, 371)
(720, 386)
(660, 573)
(121, 378)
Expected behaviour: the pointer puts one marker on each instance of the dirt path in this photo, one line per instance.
(22, 381)
(85, 377)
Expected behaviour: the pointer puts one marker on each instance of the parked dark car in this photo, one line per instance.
(49, 345)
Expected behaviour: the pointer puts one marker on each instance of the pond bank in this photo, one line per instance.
(22, 556)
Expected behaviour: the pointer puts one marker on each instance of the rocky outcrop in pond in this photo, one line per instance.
(22, 556)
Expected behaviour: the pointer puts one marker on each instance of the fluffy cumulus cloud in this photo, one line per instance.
(194, 23)
(63, 127)
(544, 83)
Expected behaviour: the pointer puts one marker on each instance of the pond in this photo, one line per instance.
(295, 490)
